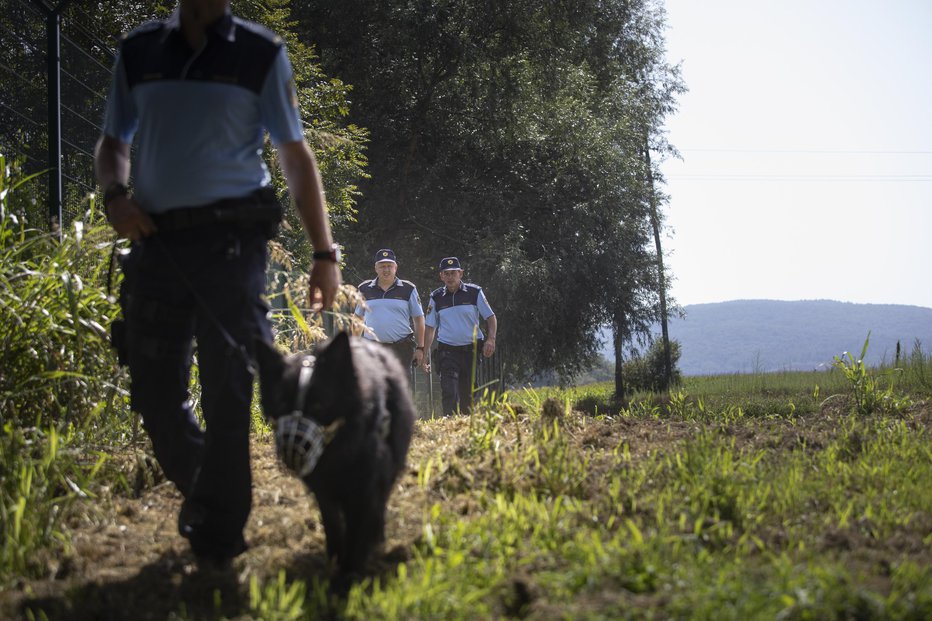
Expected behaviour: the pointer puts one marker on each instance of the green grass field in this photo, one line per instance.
(740, 497)
(785, 496)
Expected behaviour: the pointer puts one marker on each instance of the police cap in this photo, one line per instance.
(449, 263)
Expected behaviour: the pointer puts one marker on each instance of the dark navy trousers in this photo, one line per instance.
(196, 294)
(458, 376)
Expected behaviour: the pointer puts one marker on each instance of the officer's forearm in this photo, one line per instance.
(419, 331)
(307, 190)
(428, 338)
(492, 328)
(111, 161)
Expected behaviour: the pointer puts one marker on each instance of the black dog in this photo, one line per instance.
(344, 425)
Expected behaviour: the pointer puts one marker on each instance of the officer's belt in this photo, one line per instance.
(406, 339)
(259, 207)
(455, 347)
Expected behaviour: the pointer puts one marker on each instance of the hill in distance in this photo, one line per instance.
(750, 336)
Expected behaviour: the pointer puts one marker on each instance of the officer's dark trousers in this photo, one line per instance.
(404, 351)
(180, 288)
(457, 376)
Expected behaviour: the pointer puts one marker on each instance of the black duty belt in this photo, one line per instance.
(408, 339)
(455, 347)
(260, 207)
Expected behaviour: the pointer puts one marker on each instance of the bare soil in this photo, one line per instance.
(127, 560)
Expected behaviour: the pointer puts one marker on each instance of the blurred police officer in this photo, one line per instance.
(453, 314)
(392, 307)
(196, 92)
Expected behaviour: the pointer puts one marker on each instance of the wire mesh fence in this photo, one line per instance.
(55, 68)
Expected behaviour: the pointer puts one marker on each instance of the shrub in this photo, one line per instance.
(55, 358)
(646, 373)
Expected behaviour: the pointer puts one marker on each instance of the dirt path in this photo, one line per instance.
(129, 562)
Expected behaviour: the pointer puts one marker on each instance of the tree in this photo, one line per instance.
(507, 133)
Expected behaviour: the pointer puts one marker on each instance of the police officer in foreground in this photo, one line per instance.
(453, 314)
(196, 92)
(392, 307)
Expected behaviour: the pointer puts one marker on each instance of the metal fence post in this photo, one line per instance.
(53, 68)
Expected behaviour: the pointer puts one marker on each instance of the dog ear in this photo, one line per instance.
(339, 353)
(271, 363)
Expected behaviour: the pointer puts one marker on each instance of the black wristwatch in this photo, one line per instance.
(333, 254)
(419, 347)
(113, 190)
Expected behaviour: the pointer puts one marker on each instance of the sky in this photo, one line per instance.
(806, 143)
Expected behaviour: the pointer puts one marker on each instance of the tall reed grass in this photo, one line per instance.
(61, 395)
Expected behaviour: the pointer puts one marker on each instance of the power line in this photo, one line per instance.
(728, 177)
(808, 151)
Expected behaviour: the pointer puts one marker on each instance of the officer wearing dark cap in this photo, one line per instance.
(392, 307)
(453, 315)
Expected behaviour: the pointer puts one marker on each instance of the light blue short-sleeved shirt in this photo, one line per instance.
(198, 117)
(455, 315)
(388, 313)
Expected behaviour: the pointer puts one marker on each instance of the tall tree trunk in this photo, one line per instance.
(661, 275)
(617, 339)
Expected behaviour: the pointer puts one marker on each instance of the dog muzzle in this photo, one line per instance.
(299, 440)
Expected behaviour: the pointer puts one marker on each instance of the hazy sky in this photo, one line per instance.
(806, 138)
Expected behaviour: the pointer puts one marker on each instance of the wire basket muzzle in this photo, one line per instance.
(300, 443)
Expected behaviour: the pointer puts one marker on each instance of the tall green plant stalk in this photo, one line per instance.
(869, 396)
(55, 354)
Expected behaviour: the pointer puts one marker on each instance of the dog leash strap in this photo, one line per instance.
(304, 382)
(239, 348)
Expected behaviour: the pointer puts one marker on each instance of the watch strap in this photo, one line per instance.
(332, 254)
(113, 190)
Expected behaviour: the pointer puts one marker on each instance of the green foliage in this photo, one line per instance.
(325, 104)
(646, 373)
(510, 134)
(54, 321)
(869, 396)
(44, 471)
(682, 510)
(277, 600)
(59, 382)
(703, 528)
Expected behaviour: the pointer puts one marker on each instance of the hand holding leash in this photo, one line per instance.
(128, 219)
